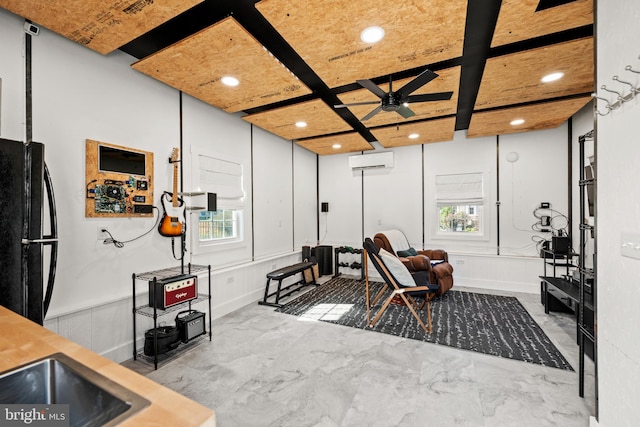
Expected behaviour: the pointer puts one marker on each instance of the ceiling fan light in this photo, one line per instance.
(517, 122)
(552, 77)
(301, 124)
(230, 81)
(372, 34)
(336, 146)
(414, 136)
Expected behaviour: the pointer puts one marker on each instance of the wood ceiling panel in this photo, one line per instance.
(320, 119)
(349, 142)
(438, 130)
(536, 117)
(327, 34)
(196, 64)
(518, 19)
(515, 78)
(447, 80)
(100, 25)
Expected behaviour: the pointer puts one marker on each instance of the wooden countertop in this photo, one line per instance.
(22, 341)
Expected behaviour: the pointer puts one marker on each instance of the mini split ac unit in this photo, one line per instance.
(371, 161)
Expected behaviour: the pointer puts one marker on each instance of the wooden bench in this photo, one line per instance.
(282, 274)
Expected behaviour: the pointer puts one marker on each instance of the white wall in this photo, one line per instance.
(272, 194)
(393, 197)
(305, 193)
(618, 156)
(539, 175)
(342, 189)
(79, 94)
(12, 74)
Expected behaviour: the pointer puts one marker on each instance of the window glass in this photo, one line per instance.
(218, 225)
(460, 218)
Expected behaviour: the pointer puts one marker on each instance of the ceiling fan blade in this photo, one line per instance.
(422, 79)
(405, 112)
(372, 113)
(373, 88)
(356, 103)
(439, 96)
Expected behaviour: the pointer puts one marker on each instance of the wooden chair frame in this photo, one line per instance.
(405, 293)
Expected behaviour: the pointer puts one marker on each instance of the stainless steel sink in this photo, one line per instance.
(93, 399)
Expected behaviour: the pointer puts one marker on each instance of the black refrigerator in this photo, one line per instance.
(25, 187)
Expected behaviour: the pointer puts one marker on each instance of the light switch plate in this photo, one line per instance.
(630, 244)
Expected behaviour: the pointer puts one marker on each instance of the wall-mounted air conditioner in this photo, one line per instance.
(371, 161)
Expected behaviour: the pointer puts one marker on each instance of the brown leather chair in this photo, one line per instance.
(434, 261)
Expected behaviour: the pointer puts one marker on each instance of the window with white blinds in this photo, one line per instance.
(220, 176)
(466, 187)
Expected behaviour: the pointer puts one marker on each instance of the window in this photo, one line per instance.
(218, 225)
(460, 218)
(460, 200)
(224, 228)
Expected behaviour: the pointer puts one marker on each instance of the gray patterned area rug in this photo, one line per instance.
(490, 324)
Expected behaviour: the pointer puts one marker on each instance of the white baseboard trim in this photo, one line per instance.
(524, 287)
(237, 303)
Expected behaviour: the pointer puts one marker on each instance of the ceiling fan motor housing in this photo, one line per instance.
(391, 101)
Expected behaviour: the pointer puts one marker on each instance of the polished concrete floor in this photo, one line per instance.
(269, 369)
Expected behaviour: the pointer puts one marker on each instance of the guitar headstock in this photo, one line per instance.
(174, 155)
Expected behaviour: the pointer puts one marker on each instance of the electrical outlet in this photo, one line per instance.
(101, 234)
(545, 205)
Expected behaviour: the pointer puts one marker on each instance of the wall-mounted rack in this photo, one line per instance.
(622, 96)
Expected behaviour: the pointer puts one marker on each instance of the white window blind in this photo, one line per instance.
(220, 176)
(467, 188)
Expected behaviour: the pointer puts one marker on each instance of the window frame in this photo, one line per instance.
(477, 197)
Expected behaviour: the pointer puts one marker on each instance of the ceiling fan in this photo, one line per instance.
(397, 101)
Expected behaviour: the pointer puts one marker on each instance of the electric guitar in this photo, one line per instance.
(172, 222)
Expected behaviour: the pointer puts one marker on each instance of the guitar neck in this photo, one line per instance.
(174, 197)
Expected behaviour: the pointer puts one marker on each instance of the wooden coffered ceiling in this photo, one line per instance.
(295, 60)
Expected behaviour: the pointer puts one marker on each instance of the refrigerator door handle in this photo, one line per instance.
(36, 241)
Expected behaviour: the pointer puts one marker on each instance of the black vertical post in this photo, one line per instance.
(569, 181)
(183, 248)
(498, 195)
(423, 195)
(317, 199)
(26, 219)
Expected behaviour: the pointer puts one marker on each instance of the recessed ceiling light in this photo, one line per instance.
(517, 122)
(336, 146)
(552, 77)
(372, 34)
(413, 136)
(301, 124)
(230, 81)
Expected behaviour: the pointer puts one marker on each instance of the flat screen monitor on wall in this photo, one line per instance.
(121, 161)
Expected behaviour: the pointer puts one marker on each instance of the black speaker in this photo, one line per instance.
(212, 202)
(324, 257)
(324, 207)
